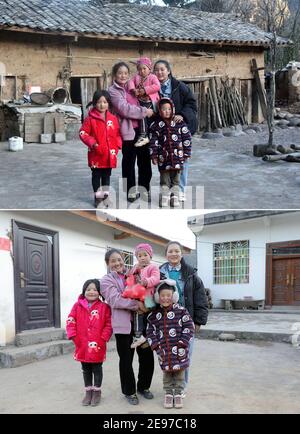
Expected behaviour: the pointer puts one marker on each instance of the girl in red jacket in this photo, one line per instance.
(101, 134)
(89, 326)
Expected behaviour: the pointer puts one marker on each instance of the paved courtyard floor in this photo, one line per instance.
(257, 321)
(225, 377)
(56, 176)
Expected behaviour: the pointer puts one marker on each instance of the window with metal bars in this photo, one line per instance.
(231, 262)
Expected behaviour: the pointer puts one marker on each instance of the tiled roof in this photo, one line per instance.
(86, 17)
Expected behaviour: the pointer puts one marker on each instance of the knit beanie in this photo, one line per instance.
(143, 246)
(144, 61)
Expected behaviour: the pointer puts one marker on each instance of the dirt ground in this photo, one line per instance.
(225, 377)
(56, 176)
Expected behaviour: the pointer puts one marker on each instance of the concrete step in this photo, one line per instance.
(12, 356)
(294, 311)
(39, 336)
(206, 333)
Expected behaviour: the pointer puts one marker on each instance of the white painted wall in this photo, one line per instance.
(78, 261)
(259, 232)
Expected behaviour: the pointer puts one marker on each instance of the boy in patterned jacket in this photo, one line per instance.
(170, 146)
(169, 331)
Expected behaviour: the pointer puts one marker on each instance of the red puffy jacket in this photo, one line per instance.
(90, 328)
(104, 133)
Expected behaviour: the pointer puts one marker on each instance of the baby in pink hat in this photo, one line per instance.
(145, 86)
(148, 275)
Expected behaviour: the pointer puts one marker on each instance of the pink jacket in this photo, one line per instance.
(112, 286)
(151, 274)
(127, 109)
(150, 84)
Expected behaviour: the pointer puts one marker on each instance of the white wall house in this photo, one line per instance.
(46, 256)
(250, 254)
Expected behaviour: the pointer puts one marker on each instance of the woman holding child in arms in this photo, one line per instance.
(130, 112)
(112, 287)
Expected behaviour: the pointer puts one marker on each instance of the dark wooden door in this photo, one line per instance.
(286, 281)
(35, 293)
(295, 280)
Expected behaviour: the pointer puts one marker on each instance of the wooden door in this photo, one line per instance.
(286, 281)
(280, 282)
(36, 279)
(88, 86)
(295, 280)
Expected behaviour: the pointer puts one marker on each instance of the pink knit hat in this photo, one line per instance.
(144, 61)
(143, 246)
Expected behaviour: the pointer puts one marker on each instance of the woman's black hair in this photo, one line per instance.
(97, 95)
(167, 65)
(173, 242)
(88, 282)
(116, 68)
(111, 252)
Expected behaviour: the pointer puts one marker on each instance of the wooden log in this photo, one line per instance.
(264, 149)
(218, 90)
(292, 159)
(280, 157)
(203, 107)
(208, 112)
(212, 110)
(260, 89)
(212, 87)
(285, 150)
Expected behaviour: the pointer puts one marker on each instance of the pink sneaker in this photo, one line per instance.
(168, 403)
(178, 401)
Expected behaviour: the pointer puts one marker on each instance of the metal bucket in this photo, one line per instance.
(60, 95)
(39, 98)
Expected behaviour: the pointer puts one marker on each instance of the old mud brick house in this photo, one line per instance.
(51, 43)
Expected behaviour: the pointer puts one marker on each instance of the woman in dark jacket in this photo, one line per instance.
(185, 105)
(190, 287)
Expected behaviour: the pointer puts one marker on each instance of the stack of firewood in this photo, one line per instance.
(290, 154)
(224, 104)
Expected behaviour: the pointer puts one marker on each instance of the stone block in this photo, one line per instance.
(59, 137)
(227, 337)
(46, 138)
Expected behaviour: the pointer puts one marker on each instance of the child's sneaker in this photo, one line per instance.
(163, 201)
(182, 197)
(137, 342)
(168, 402)
(141, 141)
(178, 401)
(174, 201)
